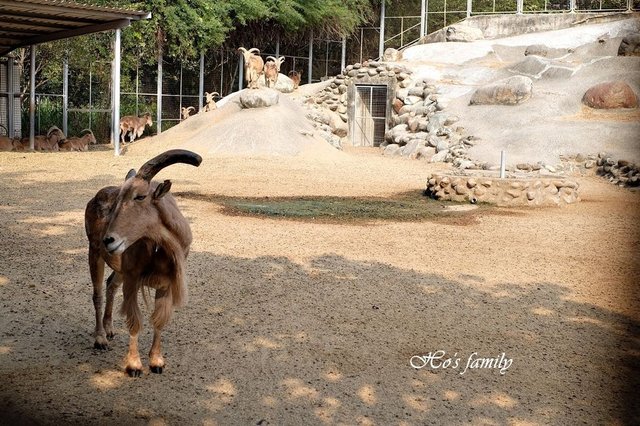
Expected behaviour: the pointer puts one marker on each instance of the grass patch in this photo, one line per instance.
(410, 206)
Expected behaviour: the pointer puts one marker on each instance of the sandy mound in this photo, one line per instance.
(279, 130)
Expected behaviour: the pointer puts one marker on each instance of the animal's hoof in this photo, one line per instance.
(157, 370)
(110, 336)
(134, 372)
(101, 346)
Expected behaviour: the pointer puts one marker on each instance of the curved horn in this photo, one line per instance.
(271, 58)
(86, 130)
(242, 49)
(254, 49)
(159, 162)
(281, 60)
(214, 93)
(191, 108)
(53, 129)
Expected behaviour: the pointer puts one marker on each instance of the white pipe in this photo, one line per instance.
(10, 98)
(310, 67)
(201, 86)
(32, 99)
(343, 58)
(159, 93)
(503, 162)
(422, 18)
(65, 96)
(240, 72)
(381, 42)
(115, 122)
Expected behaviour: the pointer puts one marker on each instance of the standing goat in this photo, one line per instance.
(296, 77)
(78, 143)
(211, 103)
(134, 126)
(186, 112)
(138, 230)
(272, 70)
(253, 66)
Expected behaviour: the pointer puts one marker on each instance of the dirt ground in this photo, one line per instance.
(293, 323)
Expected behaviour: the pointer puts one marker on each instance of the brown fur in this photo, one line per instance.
(296, 77)
(138, 230)
(253, 66)
(78, 143)
(210, 105)
(134, 126)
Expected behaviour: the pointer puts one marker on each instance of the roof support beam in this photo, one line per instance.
(115, 99)
(32, 99)
(117, 25)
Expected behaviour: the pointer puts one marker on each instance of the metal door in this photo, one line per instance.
(370, 115)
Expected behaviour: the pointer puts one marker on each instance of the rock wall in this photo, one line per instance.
(517, 191)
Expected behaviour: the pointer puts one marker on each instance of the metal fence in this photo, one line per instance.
(81, 98)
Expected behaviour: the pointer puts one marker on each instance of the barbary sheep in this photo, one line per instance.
(211, 103)
(186, 112)
(253, 66)
(138, 230)
(134, 126)
(296, 77)
(78, 143)
(272, 70)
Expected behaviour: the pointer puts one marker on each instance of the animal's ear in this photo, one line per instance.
(162, 190)
(131, 173)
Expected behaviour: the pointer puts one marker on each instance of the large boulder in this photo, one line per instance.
(463, 33)
(284, 83)
(392, 55)
(509, 91)
(609, 95)
(259, 98)
(531, 65)
(630, 46)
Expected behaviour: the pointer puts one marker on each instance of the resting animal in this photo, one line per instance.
(78, 143)
(138, 230)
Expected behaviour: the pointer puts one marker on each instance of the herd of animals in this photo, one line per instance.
(133, 127)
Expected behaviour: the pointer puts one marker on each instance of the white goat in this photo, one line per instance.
(134, 126)
(272, 70)
(253, 66)
(138, 230)
(211, 103)
(78, 143)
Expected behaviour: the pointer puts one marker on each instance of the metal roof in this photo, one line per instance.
(28, 22)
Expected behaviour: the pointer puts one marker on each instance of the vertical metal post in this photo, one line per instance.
(65, 95)
(221, 70)
(519, 7)
(470, 7)
(310, 67)
(32, 98)
(503, 164)
(326, 58)
(381, 42)
(137, 88)
(201, 86)
(90, 93)
(159, 93)
(240, 72)
(343, 56)
(115, 78)
(278, 46)
(572, 6)
(422, 18)
(180, 95)
(10, 98)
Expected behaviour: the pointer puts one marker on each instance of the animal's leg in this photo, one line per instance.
(123, 134)
(113, 283)
(130, 308)
(161, 315)
(96, 268)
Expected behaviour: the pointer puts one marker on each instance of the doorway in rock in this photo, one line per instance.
(370, 115)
